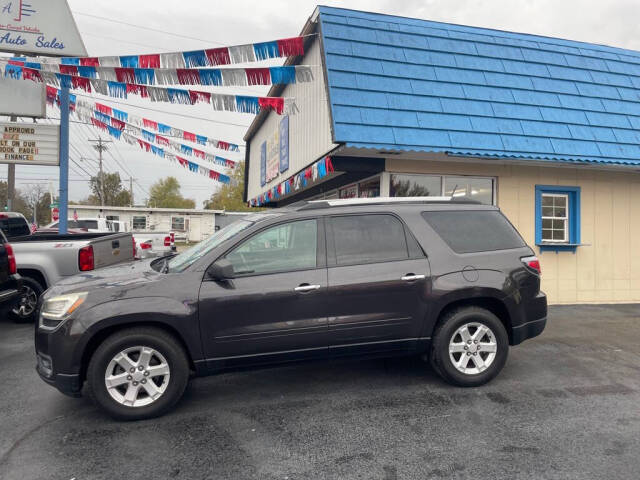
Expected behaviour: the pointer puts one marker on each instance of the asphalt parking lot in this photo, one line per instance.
(565, 406)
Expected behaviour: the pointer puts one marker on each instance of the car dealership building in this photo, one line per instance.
(547, 129)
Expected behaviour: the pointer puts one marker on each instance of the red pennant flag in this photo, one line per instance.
(16, 62)
(125, 75)
(162, 140)
(149, 123)
(117, 123)
(137, 89)
(68, 69)
(90, 62)
(81, 82)
(52, 94)
(198, 153)
(271, 103)
(189, 136)
(31, 74)
(197, 97)
(328, 164)
(218, 56)
(149, 61)
(188, 76)
(104, 109)
(258, 76)
(222, 145)
(289, 47)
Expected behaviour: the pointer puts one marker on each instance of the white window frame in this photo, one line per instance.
(443, 176)
(565, 218)
(133, 222)
(185, 224)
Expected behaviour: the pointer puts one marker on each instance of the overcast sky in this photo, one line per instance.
(213, 23)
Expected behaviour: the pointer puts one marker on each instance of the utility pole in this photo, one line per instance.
(131, 179)
(11, 180)
(100, 147)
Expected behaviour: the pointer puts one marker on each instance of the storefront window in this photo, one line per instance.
(139, 223)
(479, 189)
(416, 185)
(350, 191)
(474, 188)
(369, 188)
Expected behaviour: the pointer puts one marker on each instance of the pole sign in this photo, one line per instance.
(39, 27)
(29, 143)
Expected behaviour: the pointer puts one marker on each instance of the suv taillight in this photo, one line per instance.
(13, 268)
(167, 241)
(173, 237)
(85, 259)
(145, 246)
(533, 263)
(133, 241)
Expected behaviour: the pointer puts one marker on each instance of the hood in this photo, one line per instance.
(114, 280)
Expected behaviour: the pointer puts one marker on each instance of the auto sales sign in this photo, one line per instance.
(39, 27)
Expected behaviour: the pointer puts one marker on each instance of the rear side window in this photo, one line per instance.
(361, 239)
(14, 227)
(87, 224)
(467, 231)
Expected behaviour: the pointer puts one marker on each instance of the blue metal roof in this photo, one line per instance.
(407, 84)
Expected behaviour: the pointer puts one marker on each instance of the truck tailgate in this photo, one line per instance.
(112, 249)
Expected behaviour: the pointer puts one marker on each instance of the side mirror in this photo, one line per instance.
(220, 270)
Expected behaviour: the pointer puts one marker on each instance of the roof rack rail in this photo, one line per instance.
(316, 204)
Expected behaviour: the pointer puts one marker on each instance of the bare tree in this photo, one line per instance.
(33, 195)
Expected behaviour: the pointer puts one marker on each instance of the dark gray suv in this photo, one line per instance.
(449, 280)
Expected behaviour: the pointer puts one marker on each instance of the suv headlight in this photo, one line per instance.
(56, 310)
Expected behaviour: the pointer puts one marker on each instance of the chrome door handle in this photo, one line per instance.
(412, 277)
(306, 288)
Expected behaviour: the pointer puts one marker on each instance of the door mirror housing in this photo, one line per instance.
(220, 270)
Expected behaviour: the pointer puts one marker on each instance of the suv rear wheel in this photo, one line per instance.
(138, 373)
(470, 347)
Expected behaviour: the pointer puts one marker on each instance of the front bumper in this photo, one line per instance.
(55, 360)
(69, 384)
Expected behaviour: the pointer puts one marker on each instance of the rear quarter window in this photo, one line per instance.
(468, 231)
(14, 227)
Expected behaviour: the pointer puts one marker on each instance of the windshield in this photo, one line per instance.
(188, 257)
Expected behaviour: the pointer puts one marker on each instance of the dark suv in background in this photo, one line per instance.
(448, 280)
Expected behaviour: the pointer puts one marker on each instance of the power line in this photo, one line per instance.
(157, 30)
(120, 40)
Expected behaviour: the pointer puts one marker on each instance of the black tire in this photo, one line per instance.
(447, 327)
(23, 311)
(159, 340)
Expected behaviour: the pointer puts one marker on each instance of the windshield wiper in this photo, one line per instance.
(165, 265)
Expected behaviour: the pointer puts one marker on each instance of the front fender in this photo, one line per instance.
(99, 320)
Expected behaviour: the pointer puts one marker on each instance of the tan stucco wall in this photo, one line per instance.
(607, 269)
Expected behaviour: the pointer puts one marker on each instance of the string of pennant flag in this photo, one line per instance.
(87, 115)
(53, 95)
(210, 57)
(219, 102)
(219, 77)
(159, 151)
(319, 169)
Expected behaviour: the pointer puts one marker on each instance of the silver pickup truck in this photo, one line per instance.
(43, 259)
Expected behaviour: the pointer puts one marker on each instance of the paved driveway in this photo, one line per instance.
(567, 405)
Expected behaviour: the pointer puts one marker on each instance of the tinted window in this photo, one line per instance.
(87, 224)
(474, 231)
(14, 227)
(368, 239)
(286, 247)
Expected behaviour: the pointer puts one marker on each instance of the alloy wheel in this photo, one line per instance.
(28, 302)
(137, 376)
(472, 348)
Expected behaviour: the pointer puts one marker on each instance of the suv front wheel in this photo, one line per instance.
(470, 347)
(138, 373)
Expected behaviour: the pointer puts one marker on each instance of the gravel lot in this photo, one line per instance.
(565, 406)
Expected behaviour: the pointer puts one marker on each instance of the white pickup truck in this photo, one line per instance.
(45, 258)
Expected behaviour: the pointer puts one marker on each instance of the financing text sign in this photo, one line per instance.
(29, 143)
(40, 27)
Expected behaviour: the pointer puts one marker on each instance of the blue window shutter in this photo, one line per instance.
(574, 217)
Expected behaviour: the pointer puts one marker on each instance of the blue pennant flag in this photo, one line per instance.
(15, 72)
(130, 61)
(144, 76)
(117, 89)
(187, 150)
(148, 136)
(87, 72)
(162, 128)
(201, 140)
(266, 50)
(196, 58)
(37, 66)
(283, 75)
(70, 61)
(157, 150)
(210, 76)
(247, 104)
(193, 167)
(65, 80)
(177, 95)
(114, 132)
(120, 115)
